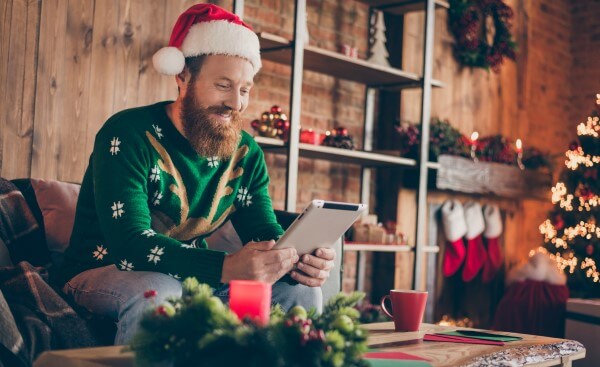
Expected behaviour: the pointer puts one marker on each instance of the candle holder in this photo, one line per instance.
(519, 145)
(250, 299)
(473, 142)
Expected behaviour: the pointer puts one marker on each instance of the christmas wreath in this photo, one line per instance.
(198, 330)
(481, 29)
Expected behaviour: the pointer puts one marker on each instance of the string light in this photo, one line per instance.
(563, 240)
(576, 157)
(587, 204)
(592, 271)
(583, 229)
(559, 194)
(589, 128)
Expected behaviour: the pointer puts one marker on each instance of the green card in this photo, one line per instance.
(481, 335)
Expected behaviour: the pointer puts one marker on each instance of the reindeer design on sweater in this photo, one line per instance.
(190, 227)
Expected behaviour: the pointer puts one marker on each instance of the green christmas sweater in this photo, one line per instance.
(148, 200)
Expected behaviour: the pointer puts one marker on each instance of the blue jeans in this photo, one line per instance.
(119, 295)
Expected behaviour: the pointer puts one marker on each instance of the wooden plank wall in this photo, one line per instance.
(67, 65)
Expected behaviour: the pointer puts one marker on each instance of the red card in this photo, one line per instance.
(457, 339)
(393, 355)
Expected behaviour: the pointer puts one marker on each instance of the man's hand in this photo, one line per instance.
(257, 261)
(314, 269)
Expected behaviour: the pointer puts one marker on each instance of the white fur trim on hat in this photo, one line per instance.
(493, 221)
(474, 219)
(221, 37)
(453, 220)
(540, 267)
(168, 61)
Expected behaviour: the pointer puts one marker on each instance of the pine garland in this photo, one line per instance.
(198, 330)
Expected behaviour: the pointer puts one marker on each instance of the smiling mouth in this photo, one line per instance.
(222, 116)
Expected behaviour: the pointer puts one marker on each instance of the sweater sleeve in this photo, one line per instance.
(121, 167)
(255, 220)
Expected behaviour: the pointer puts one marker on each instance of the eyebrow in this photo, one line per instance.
(246, 84)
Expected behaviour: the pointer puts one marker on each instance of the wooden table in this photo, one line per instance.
(532, 350)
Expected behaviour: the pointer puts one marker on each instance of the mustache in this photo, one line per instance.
(221, 110)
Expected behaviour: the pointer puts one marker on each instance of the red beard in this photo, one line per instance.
(208, 137)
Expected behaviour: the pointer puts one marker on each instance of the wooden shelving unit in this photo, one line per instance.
(370, 247)
(278, 49)
(399, 7)
(362, 158)
(302, 57)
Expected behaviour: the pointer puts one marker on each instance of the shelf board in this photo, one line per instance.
(399, 7)
(431, 249)
(463, 175)
(278, 49)
(267, 143)
(355, 246)
(368, 159)
(433, 165)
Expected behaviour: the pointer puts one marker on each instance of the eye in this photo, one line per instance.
(222, 86)
(244, 91)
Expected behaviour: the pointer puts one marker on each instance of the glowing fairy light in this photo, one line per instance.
(576, 157)
(592, 270)
(589, 128)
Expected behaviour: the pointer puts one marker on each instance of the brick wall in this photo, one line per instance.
(585, 48)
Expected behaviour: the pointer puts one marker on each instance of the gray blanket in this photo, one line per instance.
(34, 318)
(19, 229)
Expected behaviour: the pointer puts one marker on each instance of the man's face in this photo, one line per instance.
(213, 102)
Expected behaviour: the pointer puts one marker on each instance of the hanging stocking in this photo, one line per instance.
(493, 230)
(476, 254)
(455, 228)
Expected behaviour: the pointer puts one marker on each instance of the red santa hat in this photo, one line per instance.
(206, 29)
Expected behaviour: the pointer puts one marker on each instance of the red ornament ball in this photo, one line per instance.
(589, 249)
(574, 145)
(275, 109)
(341, 131)
(255, 123)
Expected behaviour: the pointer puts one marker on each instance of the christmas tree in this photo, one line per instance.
(379, 54)
(571, 234)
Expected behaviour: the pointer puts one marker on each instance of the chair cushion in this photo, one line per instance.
(57, 201)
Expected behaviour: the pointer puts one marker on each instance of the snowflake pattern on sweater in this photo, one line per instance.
(164, 199)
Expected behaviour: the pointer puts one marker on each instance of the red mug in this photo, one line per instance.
(408, 308)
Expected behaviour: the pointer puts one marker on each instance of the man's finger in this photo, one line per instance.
(306, 280)
(317, 262)
(325, 253)
(313, 272)
(279, 256)
(261, 246)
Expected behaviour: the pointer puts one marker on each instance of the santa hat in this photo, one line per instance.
(206, 29)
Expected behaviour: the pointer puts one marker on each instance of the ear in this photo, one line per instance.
(182, 79)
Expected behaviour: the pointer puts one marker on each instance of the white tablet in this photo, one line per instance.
(321, 224)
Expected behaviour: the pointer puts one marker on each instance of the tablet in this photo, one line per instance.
(321, 224)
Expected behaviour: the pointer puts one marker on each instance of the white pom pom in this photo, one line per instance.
(168, 61)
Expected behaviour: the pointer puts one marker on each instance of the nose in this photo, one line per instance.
(234, 101)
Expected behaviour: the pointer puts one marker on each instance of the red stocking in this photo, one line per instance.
(476, 254)
(455, 227)
(493, 230)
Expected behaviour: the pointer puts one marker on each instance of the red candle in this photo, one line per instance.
(252, 299)
(310, 137)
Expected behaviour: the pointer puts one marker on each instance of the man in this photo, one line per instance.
(163, 177)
